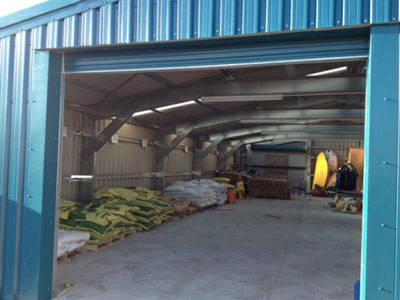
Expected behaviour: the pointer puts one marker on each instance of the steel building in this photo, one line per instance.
(81, 54)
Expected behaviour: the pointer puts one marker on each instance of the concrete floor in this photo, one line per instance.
(255, 249)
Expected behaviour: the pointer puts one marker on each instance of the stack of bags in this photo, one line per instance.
(220, 189)
(102, 220)
(152, 210)
(114, 211)
(69, 240)
(234, 176)
(183, 207)
(204, 196)
(269, 188)
(203, 192)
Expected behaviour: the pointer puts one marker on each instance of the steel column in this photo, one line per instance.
(380, 216)
(224, 155)
(212, 146)
(88, 157)
(161, 153)
(222, 148)
(111, 129)
(308, 167)
(197, 156)
(160, 177)
(33, 275)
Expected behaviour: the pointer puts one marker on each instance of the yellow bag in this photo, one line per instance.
(100, 218)
(221, 179)
(124, 194)
(104, 193)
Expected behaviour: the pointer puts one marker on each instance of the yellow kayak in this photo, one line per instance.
(321, 171)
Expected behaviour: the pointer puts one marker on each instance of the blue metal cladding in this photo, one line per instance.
(380, 248)
(211, 54)
(29, 142)
(94, 22)
(25, 175)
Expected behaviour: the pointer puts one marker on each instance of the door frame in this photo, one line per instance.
(380, 219)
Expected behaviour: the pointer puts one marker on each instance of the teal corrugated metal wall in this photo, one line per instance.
(381, 211)
(73, 23)
(94, 22)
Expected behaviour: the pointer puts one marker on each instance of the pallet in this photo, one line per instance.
(109, 242)
(74, 253)
(201, 209)
(184, 214)
(178, 217)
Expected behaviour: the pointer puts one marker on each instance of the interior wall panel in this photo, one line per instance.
(179, 161)
(71, 155)
(340, 147)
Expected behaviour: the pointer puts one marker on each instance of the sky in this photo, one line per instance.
(9, 7)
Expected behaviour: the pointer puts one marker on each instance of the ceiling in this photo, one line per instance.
(108, 95)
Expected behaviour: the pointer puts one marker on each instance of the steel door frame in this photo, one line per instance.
(380, 222)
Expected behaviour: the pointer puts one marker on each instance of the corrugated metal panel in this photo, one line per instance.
(116, 164)
(209, 166)
(71, 163)
(122, 164)
(186, 142)
(171, 179)
(124, 158)
(146, 182)
(93, 22)
(340, 147)
(128, 21)
(179, 161)
(209, 163)
(28, 148)
(71, 157)
(296, 159)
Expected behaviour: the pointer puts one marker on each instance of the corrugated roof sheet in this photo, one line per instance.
(90, 22)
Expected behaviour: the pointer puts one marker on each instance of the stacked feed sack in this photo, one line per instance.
(220, 189)
(269, 188)
(234, 176)
(193, 190)
(152, 210)
(183, 207)
(99, 219)
(69, 240)
(225, 181)
(115, 211)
